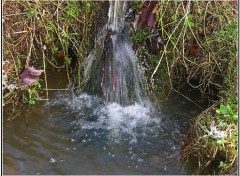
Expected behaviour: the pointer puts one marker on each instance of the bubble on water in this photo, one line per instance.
(173, 147)
(73, 140)
(113, 155)
(104, 148)
(67, 148)
(74, 148)
(133, 140)
(165, 167)
(38, 173)
(136, 166)
(52, 160)
(84, 140)
(61, 160)
(109, 153)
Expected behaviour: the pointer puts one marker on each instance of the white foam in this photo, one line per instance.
(120, 121)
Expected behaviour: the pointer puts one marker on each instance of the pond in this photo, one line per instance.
(80, 134)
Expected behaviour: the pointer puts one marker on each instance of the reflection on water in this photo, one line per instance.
(79, 134)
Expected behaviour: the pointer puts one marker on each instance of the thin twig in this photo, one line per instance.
(31, 46)
(45, 69)
(159, 62)
(55, 89)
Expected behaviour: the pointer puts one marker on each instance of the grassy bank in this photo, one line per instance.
(199, 49)
(44, 35)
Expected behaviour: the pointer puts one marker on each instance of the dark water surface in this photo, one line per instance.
(79, 134)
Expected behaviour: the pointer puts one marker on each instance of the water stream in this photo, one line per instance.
(111, 68)
(110, 129)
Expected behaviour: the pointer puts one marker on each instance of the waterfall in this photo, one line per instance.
(111, 69)
(116, 15)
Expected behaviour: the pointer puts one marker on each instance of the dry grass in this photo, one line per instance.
(41, 34)
(201, 51)
(201, 42)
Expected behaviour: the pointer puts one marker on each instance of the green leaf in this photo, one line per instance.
(220, 120)
(224, 109)
(221, 148)
(213, 143)
(30, 14)
(68, 60)
(229, 108)
(32, 101)
(220, 164)
(190, 21)
(218, 111)
(235, 116)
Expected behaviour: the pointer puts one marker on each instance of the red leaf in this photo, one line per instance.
(144, 14)
(151, 20)
(30, 75)
(60, 55)
(193, 48)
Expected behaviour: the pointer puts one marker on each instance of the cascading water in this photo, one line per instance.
(112, 69)
(112, 72)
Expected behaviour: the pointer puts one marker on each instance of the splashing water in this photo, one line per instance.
(119, 122)
(111, 68)
(112, 72)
